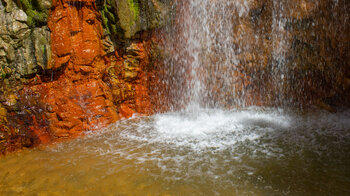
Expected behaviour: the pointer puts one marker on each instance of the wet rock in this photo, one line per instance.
(37, 11)
(124, 18)
(108, 45)
(11, 100)
(68, 91)
(76, 99)
(80, 41)
(3, 114)
(125, 111)
(128, 77)
(45, 4)
(300, 9)
(25, 62)
(129, 16)
(8, 5)
(131, 69)
(12, 24)
(42, 46)
(18, 15)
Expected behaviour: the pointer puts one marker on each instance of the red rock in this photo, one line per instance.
(81, 94)
(125, 111)
(78, 100)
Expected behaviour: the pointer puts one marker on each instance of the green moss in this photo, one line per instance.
(110, 20)
(122, 18)
(4, 71)
(113, 29)
(134, 7)
(128, 13)
(40, 17)
(26, 4)
(110, 16)
(105, 22)
(36, 15)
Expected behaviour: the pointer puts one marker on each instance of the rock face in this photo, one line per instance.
(86, 95)
(74, 76)
(253, 52)
(125, 18)
(24, 49)
(128, 80)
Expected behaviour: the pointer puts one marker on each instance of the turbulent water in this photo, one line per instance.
(257, 151)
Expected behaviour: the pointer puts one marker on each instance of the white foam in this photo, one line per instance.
(216, 143)
(207, 128)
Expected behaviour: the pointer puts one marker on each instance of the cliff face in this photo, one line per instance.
(77, 66)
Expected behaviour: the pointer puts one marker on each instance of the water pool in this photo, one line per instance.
(256, 151)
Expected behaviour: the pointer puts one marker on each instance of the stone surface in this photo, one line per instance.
(77, 80)
(275, 53)
(42, 47)
(23, 48)
(128, 78)
(36, 11)
(76, 98)
(125, 18)
(83, 88)
(3, 114)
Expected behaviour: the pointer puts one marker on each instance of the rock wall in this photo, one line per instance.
(308, 39)
(297, 54)
(78, 66)
(259, 52)
(24, 44)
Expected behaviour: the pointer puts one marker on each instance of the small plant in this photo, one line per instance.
(2, 72)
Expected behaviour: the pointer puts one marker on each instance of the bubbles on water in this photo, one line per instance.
(218, 146)
(212, 150)
(210, 139)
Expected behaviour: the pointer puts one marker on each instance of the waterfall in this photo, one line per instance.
(204, 50)
(235, 53)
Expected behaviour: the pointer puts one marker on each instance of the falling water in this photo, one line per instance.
(203, 41)
(235, 53)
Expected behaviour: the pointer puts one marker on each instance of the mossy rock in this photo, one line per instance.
(122, 19)
(110, 20)
(4, 71)
(36, 10)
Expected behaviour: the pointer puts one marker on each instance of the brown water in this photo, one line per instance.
(257, 151)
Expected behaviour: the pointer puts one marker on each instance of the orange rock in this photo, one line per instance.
(75, 96)
(78, 100)
(142, 100)
(125, 111)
